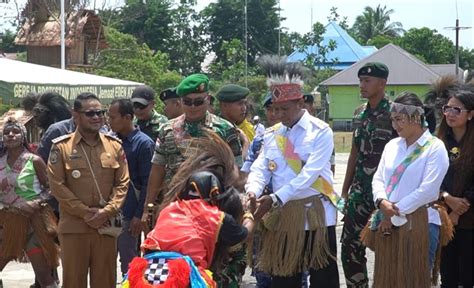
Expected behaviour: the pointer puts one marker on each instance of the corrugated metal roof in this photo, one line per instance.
(446, 70)
(405, 69)
(347, 51)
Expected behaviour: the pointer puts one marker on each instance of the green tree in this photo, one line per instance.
(188, 42)
(375, 22)
(428, 45)
(168, 26)
(335, 17)
(289, 42)
(225, 21)
(466, 58)
(150, 21)
(126, 59)
(7, 42)
(381, 40)
(234, 53)
(311, 44)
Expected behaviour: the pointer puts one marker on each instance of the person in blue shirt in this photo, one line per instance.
(255, 146)
(55, 130)
(264, 280)
(138, 149)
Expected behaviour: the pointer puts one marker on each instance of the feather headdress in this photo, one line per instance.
(285, 79)
(438, 94)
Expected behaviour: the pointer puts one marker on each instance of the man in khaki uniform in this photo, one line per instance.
(81, 165)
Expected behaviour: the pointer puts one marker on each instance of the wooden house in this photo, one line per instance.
(41, 36)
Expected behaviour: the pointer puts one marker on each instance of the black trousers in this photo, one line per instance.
(457, 259)
(328, 277)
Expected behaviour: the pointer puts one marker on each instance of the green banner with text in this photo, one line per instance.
(11, 93)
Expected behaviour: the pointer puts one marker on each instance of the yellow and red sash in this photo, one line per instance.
(294, 161)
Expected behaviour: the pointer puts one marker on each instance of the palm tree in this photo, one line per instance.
(376, 22)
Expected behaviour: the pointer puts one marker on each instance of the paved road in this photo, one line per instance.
(20, 275)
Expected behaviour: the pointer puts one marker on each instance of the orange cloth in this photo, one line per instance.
(189, 227)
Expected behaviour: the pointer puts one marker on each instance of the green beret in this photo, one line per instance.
(374, 69)
(195, 83)
(169, 93)
(232, 93)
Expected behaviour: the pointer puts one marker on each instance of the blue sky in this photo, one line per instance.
(435, 14)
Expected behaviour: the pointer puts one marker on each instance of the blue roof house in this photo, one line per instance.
(346, 53)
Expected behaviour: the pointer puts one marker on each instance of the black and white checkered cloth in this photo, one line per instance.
(157, 271)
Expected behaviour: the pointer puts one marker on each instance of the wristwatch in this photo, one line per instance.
(275, 200)
(443, 196)
(378, 201)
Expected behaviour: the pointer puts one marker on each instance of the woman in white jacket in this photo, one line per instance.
(407, 179)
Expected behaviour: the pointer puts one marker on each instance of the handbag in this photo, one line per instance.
(113, 226)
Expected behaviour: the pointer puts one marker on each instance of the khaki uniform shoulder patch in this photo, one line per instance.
(113, 137)
(61, 138)
(54, 154)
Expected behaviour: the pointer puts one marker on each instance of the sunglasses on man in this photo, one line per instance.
(453, 110)
(196, 102)
(92, 113)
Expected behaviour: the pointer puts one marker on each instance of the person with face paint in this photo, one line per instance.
(27, 225)
(407, 179)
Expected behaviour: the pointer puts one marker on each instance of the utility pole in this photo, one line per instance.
(457, 28)
(63, 44)
(246, 44)
(279, 28)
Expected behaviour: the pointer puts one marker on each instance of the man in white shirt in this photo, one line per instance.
(299, 233)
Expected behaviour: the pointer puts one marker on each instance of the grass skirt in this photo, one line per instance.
(286, 249)
(401, 260)
(15, 228)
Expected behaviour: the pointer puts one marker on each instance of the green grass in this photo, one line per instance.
(343, 142)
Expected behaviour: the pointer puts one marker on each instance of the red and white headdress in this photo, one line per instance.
(285, 79)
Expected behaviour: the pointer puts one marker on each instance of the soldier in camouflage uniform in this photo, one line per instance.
(146, 118)
(171, 150)
(372, 130)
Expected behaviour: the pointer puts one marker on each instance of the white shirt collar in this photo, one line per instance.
(304, 121)
(421, 140)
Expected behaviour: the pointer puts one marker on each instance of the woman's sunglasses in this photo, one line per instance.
(92, 113)
(453, 110)
(196, 102)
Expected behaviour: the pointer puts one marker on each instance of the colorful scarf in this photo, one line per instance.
(378, 216)
(321, 185)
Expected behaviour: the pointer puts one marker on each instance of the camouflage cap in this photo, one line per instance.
(169, 93)
(374, 69)
(232, 93)
(195, 83)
